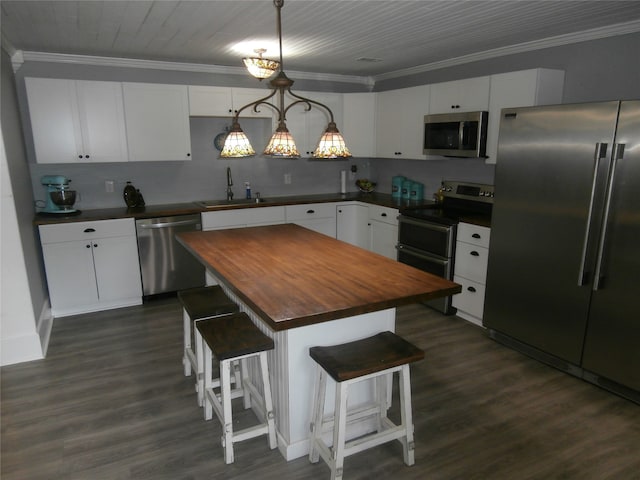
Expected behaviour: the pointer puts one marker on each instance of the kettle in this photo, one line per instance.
(132, 196)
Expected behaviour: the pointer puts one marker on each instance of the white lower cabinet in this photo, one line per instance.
(352, 224)
(91, 266)
(319, 217)
(242, 217)
(383, 230)
(470, 270)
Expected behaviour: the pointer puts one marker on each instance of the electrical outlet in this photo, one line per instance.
(109, 186)
(287, 179)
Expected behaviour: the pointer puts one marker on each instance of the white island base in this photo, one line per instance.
(292, 372)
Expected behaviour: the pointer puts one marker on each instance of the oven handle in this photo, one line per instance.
(423, 255)
(426, 224)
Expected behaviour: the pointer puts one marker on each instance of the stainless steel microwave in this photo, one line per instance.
(456, 134)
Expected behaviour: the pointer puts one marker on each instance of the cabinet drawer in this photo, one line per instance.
(471, 262)
(310, 210)
(383, 214)
(65, 232)
(471, 299)
(474, 234)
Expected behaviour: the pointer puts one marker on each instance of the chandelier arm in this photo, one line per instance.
(308, 101)
(261, 101)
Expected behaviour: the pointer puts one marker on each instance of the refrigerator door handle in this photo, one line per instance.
(600, 152)
(618, 152)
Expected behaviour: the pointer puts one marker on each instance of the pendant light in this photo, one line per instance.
(260, 67)
(282, 145)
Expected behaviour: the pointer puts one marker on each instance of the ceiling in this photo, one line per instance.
(368, 38)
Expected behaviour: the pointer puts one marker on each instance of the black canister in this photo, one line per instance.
(130, 195)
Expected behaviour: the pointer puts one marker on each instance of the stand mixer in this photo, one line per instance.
(60, 198)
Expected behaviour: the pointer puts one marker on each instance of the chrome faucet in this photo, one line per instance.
(229, 185)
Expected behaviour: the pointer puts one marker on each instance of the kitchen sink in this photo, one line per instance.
(222, 203)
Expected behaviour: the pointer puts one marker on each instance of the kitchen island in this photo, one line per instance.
(303, 289)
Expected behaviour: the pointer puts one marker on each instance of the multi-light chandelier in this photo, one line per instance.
(282, 145)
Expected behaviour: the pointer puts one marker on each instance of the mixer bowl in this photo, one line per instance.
(63, 198)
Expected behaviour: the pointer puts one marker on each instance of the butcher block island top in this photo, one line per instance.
(292, 277)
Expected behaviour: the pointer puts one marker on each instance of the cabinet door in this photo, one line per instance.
(524, 88)
(209, 101)
(70, 275)
(102, 123)
(400, 122)
(157, 119)
(117, 268)
(307, 126)
(352, 224)
(359, 123)
(53, 109)
(468, 95)
(384, 238)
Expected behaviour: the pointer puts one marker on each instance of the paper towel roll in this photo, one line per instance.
(343, 181)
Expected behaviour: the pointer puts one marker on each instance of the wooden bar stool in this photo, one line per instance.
(198, 304)
(230, 338)
(375, 357)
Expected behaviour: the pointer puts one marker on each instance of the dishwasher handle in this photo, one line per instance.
(179, 223)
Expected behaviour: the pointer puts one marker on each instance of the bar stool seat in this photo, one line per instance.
(228, 339)
(197, 304)
(376, 357)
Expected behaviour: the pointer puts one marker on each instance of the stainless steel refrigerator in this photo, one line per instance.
(563, 280)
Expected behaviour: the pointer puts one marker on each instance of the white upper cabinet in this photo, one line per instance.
(400, 122)
(76, 120)
(468, 95)
(525, 88)
(157, 119)
(359, 123)
(206, 101)
(307, 126)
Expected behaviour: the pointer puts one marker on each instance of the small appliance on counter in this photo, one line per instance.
(132, 196)
(59, 197)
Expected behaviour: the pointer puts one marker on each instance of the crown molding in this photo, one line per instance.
(577, 37)
(28, 56)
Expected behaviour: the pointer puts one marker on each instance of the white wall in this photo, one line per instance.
(20, 340)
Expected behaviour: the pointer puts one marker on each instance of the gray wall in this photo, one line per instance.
(596, 70)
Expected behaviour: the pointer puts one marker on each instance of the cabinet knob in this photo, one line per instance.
(95, 245)
(383, 214)
(79, 156)
(89, 230)
(471, 289)
(86, 156)
(476, 235)
(88, 246)
(475, 254)
(188, 154)
(339, 211)
(311, 211)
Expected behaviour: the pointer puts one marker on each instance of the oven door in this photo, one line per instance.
(432, 238)
(440, 266)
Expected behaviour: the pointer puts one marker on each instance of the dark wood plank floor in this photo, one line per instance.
(110, 402)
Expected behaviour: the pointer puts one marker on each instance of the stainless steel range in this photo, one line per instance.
(427, 235)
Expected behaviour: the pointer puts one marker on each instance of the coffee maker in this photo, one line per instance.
(59, 197)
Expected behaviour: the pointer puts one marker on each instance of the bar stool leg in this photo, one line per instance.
(408, 444)
(208, 382)
(339, 430)
(244, 375)
(317, 413)
(227, 415)
(268, 402)
(187, 342)
(199, 366)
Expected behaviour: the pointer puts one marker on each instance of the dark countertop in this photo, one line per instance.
(153, 211)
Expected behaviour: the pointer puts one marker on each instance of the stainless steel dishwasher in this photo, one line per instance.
(165, 265)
